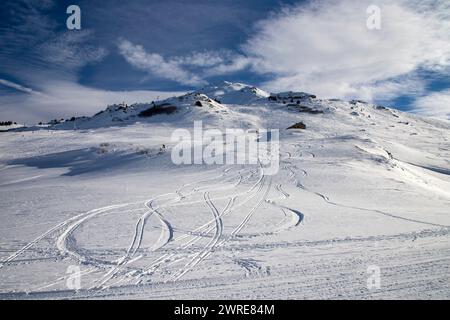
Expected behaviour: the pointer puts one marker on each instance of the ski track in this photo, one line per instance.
(166, 234)
(210, 246)
(167, 230)
(415, 263)
(208, 249)
(252, 210)
(55, 229)
(387, 214)
(63, 242)
(296, 218)
(21, 180)
(167, 258)
(174, 199)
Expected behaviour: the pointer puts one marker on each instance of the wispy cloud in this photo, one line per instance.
(236, 63)
(436, 104)
(202, 59)
(70, 50)
(18, 87)
(191, 69)
(38, 48)
(156, 64)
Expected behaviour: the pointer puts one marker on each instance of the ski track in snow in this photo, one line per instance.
(213, 242)
(63, 242)
(168, 230)
(327, 200)
(233, 231)
(204, 228)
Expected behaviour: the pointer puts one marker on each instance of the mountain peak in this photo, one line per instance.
(233, 92)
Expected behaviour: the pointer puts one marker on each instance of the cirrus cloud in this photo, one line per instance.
(190, 69)
(156, 64)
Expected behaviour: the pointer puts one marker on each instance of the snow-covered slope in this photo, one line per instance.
(11, 126)
(234, 93)
(360, 186)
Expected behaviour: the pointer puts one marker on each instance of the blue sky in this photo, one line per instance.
(137, 51)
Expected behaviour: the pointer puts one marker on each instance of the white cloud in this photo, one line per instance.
(325, 47)
(156, 64)
(236, 63)
(202, 59)
(18, 87)
(190, 69)
(214, 63)
(67, 99)
(436, 104)
(70, 50)
(37, 47)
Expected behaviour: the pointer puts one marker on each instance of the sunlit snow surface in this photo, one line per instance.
(360, 186)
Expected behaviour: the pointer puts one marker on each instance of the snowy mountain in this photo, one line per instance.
(234, 93)
(360, 187)
(212, 98)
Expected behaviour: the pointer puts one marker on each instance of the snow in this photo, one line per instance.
(10, 127)
(234, 93)
(352, 192)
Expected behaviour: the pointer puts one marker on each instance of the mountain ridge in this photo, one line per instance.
(214, 98)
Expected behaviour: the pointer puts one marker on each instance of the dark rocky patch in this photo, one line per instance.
(305, 109)
(298, 125)
(164, 108)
